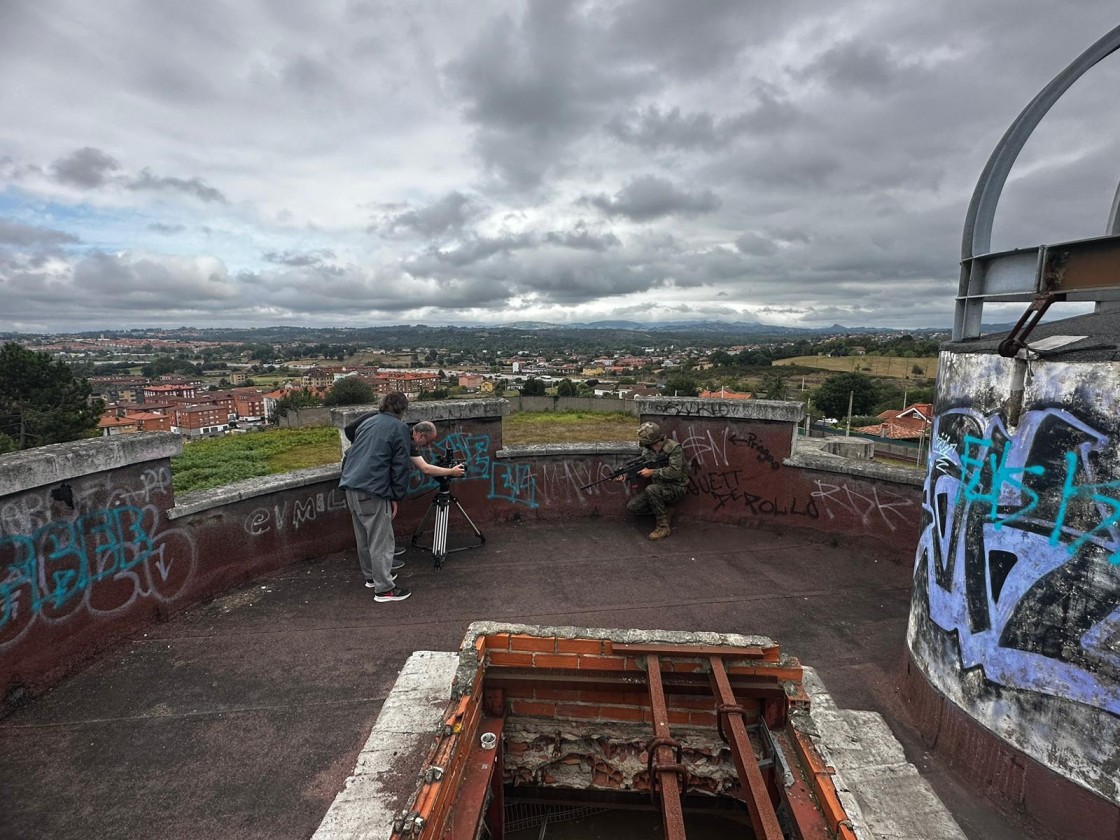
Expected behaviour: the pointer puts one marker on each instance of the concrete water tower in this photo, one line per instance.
(1014, 632)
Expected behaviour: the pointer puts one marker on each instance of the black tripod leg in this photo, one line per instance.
(424, 521)
(470, 522)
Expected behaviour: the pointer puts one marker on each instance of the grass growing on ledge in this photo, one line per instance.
(213, 462)
(526, 427)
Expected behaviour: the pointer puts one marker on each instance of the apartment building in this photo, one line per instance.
(195, 421)
(181, 390)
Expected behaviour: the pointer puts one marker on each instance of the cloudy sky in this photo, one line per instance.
(167, 163)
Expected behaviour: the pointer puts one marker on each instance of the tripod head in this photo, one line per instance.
(447, 460)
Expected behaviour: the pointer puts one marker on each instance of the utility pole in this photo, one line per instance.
(848, 431)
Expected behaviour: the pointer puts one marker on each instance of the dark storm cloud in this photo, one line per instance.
(120, 282)
(534, 85)
(87, 168)
(190, 186)
(449, 214)
(692, 39)
(653, 128)
(298, 258)
(851, 64)
(581, 238)
(26, 236)
(480, 248)
(756, 244)
(650, 197)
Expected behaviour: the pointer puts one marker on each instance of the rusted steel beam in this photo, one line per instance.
(767, 654)
(477, 791)
(764, 819)
(664, 761)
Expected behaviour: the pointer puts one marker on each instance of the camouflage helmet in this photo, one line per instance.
(649, 434)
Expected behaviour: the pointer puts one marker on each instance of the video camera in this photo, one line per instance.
(448, 460)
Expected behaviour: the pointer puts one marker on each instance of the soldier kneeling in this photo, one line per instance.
(667, 483)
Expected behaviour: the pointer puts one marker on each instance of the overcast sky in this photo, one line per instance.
(167, 163)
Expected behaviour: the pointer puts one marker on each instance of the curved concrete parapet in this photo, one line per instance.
(434, 410)
(779, 411)
(45, 465)
(94, 543)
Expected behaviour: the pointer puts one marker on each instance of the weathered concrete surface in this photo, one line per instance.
(385, 776)
(815, 454)
(243, 717)
(781, 411)
(1017, 582)
(251, 488)
(45, 465)
(883, 793)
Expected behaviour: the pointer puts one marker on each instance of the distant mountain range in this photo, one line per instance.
(720, 327)
(710, 332)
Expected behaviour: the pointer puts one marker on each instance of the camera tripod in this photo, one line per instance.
(440, 508)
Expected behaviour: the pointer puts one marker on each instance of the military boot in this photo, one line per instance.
(662, 530)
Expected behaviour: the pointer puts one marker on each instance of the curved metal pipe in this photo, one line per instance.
(977, 236)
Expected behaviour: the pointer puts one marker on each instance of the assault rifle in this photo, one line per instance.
(631, 469)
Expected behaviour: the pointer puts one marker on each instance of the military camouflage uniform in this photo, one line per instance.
(667, 484)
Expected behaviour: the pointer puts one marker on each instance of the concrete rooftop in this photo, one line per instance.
(241, 718)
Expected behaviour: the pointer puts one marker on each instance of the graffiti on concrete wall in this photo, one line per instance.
(101, 563)
(1020, 549)
(869, 504)
(729, 492)
(762, 453)
(516, 484)
(706, 447)
(285, 514)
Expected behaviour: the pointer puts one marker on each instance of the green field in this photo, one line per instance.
(527, 427)
(214, 462)
(897, 367)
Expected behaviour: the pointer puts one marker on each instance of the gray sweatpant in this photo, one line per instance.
(373, 531)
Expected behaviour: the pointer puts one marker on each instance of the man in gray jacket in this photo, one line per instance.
(375, 476)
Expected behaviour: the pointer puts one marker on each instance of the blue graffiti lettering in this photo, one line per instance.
(1019, 551)
(514, 483)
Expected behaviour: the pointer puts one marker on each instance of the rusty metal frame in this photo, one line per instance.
(462, 786)
(764, 819)
(665, 766)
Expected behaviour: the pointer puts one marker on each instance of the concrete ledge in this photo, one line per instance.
(810, 455)
(882, 792)
(780, 411)
(201, 500)
(388, 768)
(434, 410)
(56, 462)
(568, 450)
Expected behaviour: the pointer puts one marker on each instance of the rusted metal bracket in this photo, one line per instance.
(1016, 340)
